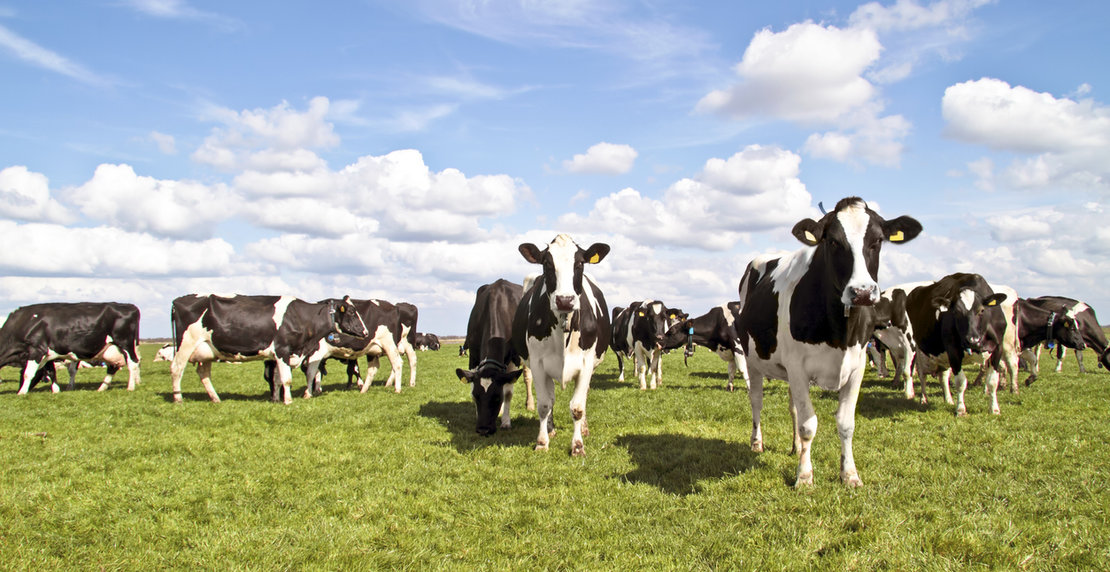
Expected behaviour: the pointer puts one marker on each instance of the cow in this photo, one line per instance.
(1004, 357)
(807, 316)
(715, 330)
(894, 331)
(384, 322)
(407, 346)
(1037, 326)
(495, 364)
(286, 329)
(957, 315)
(637, 333)
(562, 328)
(427, 341)
(1089, 327)
(36, 335)
(164, 353)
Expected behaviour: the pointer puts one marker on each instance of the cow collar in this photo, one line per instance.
(496, 364)
(1049, 342)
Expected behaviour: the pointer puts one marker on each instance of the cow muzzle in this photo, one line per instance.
(865, 295)
(565, 303)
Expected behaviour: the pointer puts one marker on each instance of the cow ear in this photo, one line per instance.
(901, 229)
(511, 376)
(808, 231)
(994, 300)
(465, 376)
(531, 253)
(941, 304)
(596, 252)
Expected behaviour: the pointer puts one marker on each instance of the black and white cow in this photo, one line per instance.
(562, 328)
(637, 333)
(427, 341)
(407, 346)
(1089, 327)
(246, 328)
(715, 330)
(1037, 326)
(952, 318)
(494, 363)
(808, 315)
(36, 335)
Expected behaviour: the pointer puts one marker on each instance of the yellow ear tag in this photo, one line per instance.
(595, 259)
(342, 309)
(672, 316)
(897, 237)
(992, 303)
(641, 314)
(810, 237)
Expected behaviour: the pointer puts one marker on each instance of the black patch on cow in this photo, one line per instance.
(80, 328)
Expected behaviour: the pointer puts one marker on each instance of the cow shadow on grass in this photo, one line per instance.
(460, 420)
(677, 463)
(877, 402)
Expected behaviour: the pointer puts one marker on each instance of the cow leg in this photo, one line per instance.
(1060, 351)
(992, 383)
(530, 399)
(134, 377)
(921, 377)
(412, 364)
(945, 379)
(204, 371)
(641, 367)
(846, 428)
(620, 366)
(394, 356)
(545, 403)
(731, 376)
(352, 372)
(506, 399)
(961, 380)
(372, 365)
(71, 369)
(805, 425)
(108, 377)
(578, 409)
(1079, 359)
(1011, 363)
(29, 371)
(755, 396)
(189, 342)
(656, 367)
(312, 378)
(285, 376)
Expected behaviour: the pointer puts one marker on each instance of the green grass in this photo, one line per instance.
(120, 480)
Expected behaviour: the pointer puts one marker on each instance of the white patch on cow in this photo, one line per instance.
(280, 307)
(1077, 309)
(485, 382)
(855, 220)
(563, 251)
(657, 307)
(967, 298)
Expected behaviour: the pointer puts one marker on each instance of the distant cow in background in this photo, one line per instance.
(36, 335)
(246, 328)
(714, 330)
(427, 342)
(807, 317)
(562, 328)
(1089, 327)
(637, 333)
(494, 363)
(1038, 326)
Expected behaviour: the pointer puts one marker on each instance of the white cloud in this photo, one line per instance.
(181, 209)
(603, 158)
(265, 131)
(908, 15)
(1069, 139)
(38, 56)
(25, 195)
(166, 143)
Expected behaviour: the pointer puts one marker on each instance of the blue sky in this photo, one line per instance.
(402, 150)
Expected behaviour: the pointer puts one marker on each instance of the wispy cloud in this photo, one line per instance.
(180, 10)
(36, 55)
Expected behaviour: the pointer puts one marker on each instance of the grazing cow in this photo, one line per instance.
(954, 316)
(246, 328)
(807, 317)
(426, 342)
(715, 330)
(1089, 327)
(164, 353)
(1038, 326)
(562, 328)
(36, 335)
(637, 332)
(384, 322)
(494, 363)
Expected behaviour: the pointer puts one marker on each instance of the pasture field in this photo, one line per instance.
(374, 481)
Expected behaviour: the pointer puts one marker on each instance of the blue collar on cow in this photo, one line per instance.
(1048, 341)
(331, 321)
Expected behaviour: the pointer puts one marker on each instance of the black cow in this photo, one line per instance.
(562, 328)
(715, 330)
(427, 341)
(957, 315)
(36, 335)
(637, 333)
(1037, 326)
(1089, 327)
(494, 363)
(807, 317)
(246, 328)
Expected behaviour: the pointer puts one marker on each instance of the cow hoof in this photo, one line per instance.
(804, 480)
(307, 394)
(961, 413)
(996, 412)
(578, 450)
(506, 426)
(851, 480)
(757, 446)
(541, 446)
(177, 398)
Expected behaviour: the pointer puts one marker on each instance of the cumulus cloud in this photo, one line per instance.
(755, 189)
(253, 131)
(1068, 139)
(179, 209)
(25, 195)
(603, 158)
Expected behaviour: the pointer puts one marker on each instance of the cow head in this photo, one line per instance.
(848, 241)
(1065, 330)
(346, 319)
(651, 322)
(563, 262)
(966, 316)
(487, 385)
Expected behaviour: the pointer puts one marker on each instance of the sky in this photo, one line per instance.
(402, 150)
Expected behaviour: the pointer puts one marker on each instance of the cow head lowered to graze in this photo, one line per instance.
(807, 316)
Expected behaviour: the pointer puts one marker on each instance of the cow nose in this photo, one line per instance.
(564, 303)
(864, 295)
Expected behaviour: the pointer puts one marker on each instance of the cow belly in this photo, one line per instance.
(824, 366)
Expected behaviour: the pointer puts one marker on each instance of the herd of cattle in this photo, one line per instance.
(811, 317)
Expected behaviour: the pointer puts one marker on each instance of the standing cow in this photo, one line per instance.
(715, 330)
(562, 328)
(637, 333)
(1089, 327)
(807, 319)
(1037, 326)
(494, 363)
(246, 328)
(36, 335)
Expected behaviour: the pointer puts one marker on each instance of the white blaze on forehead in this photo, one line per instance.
(562, 251)
(485, 382)
(657, 307)
(855, 219)
(967, 297)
